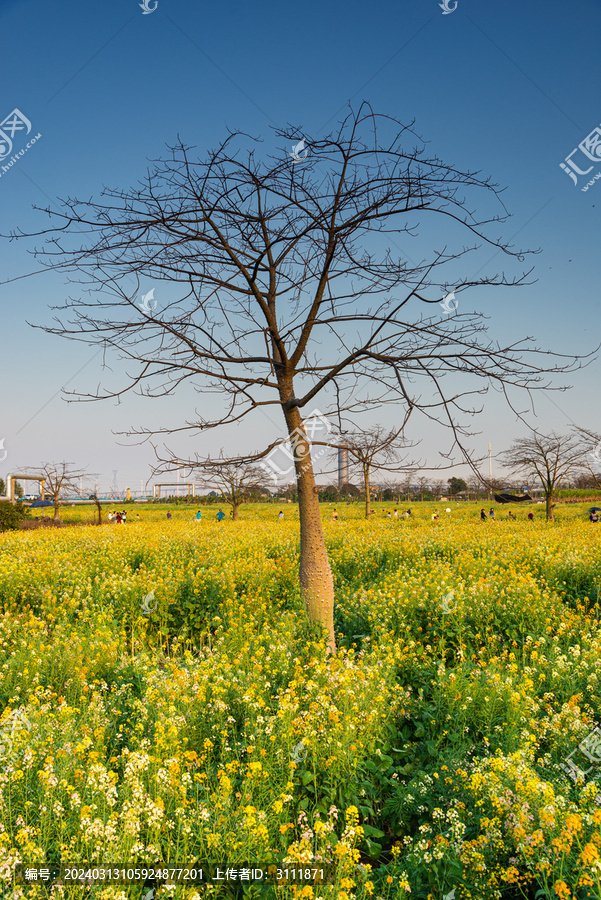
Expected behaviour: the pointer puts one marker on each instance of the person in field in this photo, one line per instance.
(335, 516)
(531, 516)
(220, 516)
(483, 515)
(198, 516)
(281, 514)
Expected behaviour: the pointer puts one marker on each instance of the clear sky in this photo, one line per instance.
(508, 88)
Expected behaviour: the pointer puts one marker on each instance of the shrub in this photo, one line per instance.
(11, 515)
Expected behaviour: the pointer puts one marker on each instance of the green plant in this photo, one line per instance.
(11, 515)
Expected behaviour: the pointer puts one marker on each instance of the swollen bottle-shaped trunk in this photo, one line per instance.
(315, 574)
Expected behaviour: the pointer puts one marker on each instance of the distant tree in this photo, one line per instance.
(289, 492)
(329, 493)
(422, 484)
(235, 482)
(375, 449)
(2, 488)
(474, 486)
(61, 478)
(350, 490)
(591, 442)
(586, 482)
(19, 492)
(257, 493)
(406, 486)
(438, 489)
(456, 486)
(551, 458)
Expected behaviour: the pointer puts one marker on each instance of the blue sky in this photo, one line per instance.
(509, 89)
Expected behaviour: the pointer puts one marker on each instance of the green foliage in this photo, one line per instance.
(456, 485)
(11, 515)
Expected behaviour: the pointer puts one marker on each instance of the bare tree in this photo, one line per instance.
(438, 488)
(551, 458)
(374, 449)
(61, 478)
(591, 442)
(407, 487)
(474, 485)
(235, 482)
(422, 484)
(495, 485)
(289, 291)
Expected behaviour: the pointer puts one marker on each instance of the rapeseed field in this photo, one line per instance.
(175, 706)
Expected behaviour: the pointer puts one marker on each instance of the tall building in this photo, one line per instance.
(342, 467)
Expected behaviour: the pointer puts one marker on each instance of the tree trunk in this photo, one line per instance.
(99, 508)
(235, 508)
(56, 519)
(367, 497)
(315, 574)
(550, 506)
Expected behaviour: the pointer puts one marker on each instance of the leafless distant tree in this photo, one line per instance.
(438, 488)
(235, 482)
(375, 449)
(290, 293)
(422, 484)
(587, 482)
(591, 441)
(474, 486)
(61, 478)
(408, 481)
(550, 458)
